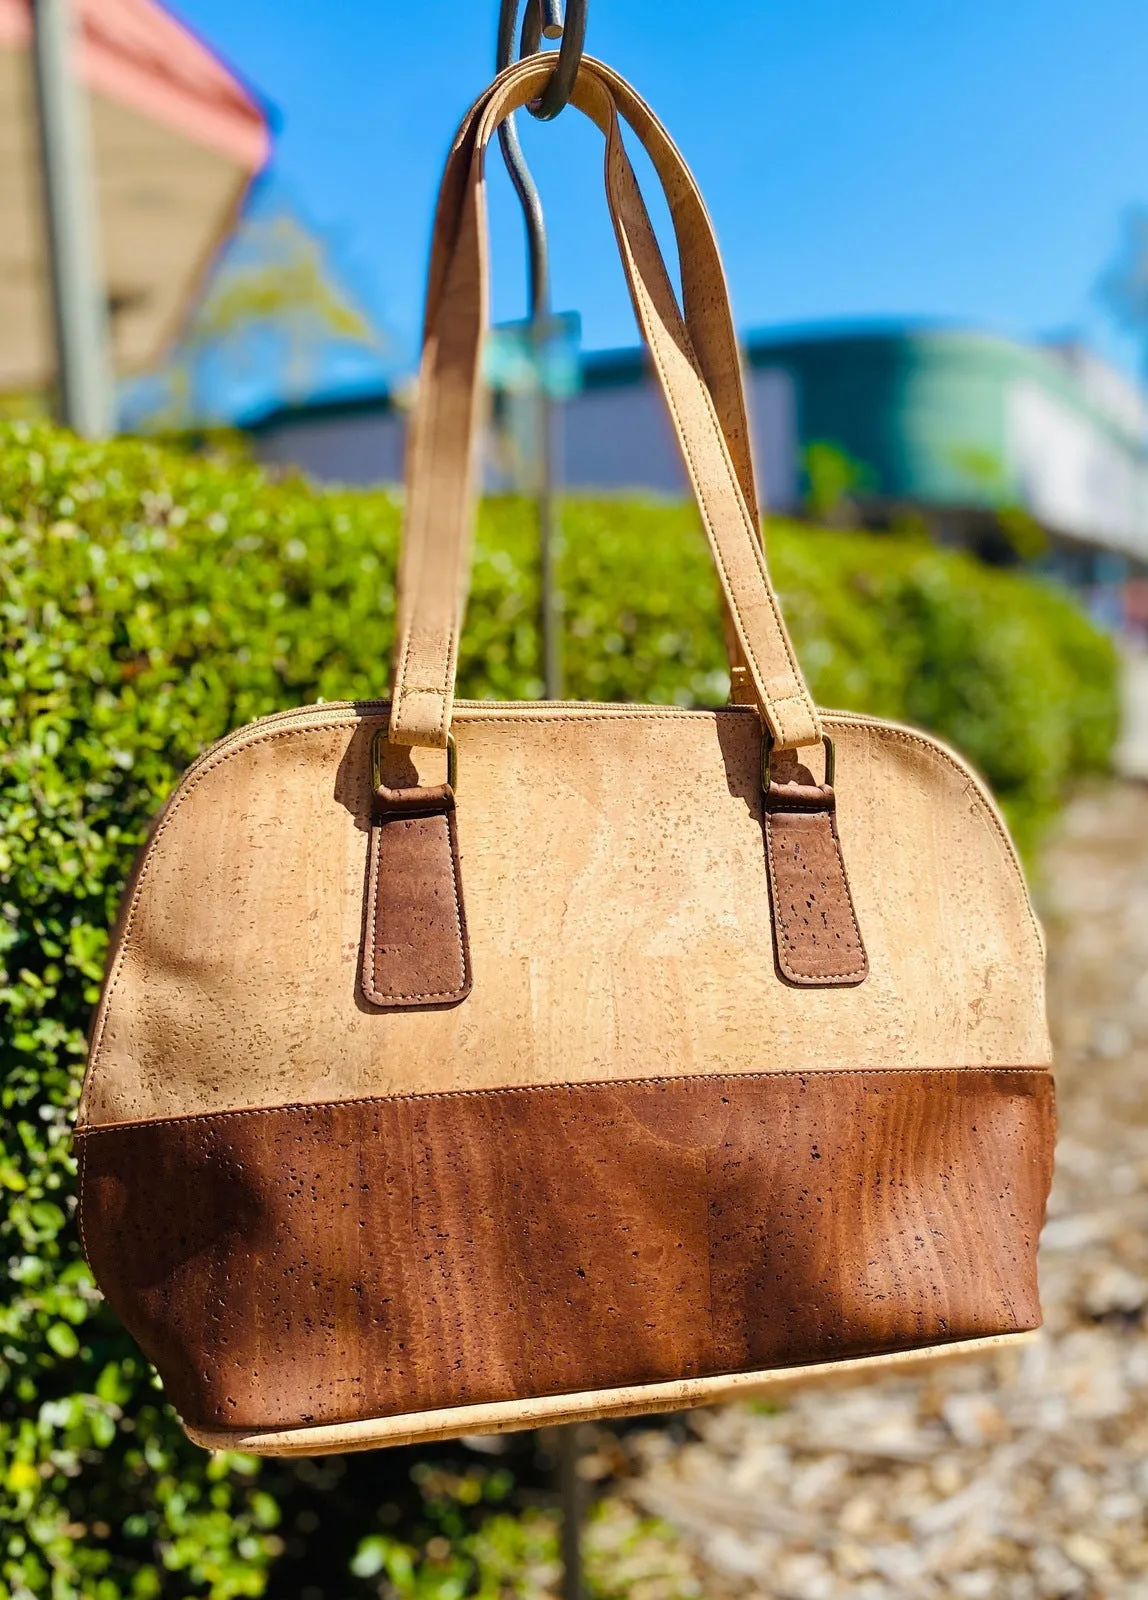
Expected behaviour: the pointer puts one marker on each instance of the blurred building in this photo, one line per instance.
(176, 139)
(964, 428)
(349, 439)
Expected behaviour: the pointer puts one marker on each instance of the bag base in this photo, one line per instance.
(509, 1416)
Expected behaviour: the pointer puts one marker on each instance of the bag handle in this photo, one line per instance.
(708, 318)
(433, 572)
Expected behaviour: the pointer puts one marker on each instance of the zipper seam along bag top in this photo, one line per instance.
(466, 1066)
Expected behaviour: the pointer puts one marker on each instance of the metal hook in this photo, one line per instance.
(524, 184)
(541, 18)
(545, 17)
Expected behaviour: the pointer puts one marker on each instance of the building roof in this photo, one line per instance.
(139, 55)
(176, 137)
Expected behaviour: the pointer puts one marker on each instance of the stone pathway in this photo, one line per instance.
(1015, 1479)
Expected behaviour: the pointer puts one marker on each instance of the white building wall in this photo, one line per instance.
(1072, 475)
(1116, 396)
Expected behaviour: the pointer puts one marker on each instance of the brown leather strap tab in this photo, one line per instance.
(415, 948)
(421, 800)
(817, 942)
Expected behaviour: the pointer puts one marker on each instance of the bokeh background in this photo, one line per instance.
(213, 235)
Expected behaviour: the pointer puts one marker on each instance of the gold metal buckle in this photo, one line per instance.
(380, 740)
(830, 760)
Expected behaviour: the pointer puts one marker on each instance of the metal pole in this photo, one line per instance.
(549, 534)
(79, 301)
(550, 607)
(571, 1497)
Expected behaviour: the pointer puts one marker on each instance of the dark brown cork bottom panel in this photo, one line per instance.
(321, 1264)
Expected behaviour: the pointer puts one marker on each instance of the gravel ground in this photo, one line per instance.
(1017, 1478)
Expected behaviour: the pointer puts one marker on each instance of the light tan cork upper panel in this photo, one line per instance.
(615, 885)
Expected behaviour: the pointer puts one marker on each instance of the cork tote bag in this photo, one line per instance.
(462, 1067)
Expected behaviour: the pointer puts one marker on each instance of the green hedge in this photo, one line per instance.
(152, 600)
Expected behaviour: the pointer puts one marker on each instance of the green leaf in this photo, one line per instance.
(62, 1339)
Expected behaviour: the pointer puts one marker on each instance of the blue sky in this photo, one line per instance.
(908, 158)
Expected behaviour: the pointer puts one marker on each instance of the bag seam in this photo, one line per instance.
(802, 1075)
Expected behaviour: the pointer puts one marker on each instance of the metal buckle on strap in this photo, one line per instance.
(380, 740)
(830, 761)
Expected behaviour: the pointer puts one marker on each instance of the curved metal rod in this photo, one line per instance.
(552, 21)
(541, 17)
(560, 86)
(526, 188)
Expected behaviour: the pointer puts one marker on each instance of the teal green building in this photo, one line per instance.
(963, 422)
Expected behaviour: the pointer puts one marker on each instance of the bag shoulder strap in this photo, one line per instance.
(433, 572)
